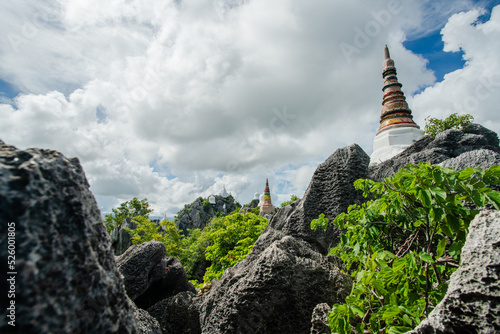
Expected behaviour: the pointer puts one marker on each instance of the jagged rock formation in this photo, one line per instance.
(252, 205)
(271, 292)
(330, 192)
(199, 213)
(451, 148)
(120, 238)
(178, 314)
(67, 280)
(319, 319)
(150, 276)
(472, 303)
(70, 280)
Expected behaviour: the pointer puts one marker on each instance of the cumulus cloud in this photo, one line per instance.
(473, 89)
(172, 100)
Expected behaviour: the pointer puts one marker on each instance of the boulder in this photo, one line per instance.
(178, 314)
(120, 238)
(274, 291)
(319, 319)
(330, 192)
(472, 303)
(199, 213)
(66, 278)
(452, 145)
(276, 287)
(150, 276)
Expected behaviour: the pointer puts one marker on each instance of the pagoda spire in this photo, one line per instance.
(267, 206)
(397, 129)
(395, 110)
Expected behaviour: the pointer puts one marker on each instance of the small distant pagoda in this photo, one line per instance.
(266, 206)
(397, 129)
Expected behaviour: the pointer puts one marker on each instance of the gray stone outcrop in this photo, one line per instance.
(67, 280)
(319, 319)
(472, 303)
(178, 314)
(199, 213)
(274, 291)
(270, 291)
(450, 148)
(330, 192)
(150, 276)
(120, 238)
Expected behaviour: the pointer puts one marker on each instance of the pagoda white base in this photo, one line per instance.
(391, 142)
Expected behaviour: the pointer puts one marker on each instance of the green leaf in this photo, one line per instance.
(494, 198)
(358, 311)
(425, 196)
(441, 247)
(391, 312)
(446, 230)
(437, 175)
(398, 329)
(466, 173)
(425, 257)
(455, 249)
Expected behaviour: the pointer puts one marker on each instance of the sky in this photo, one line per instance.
(170, 100)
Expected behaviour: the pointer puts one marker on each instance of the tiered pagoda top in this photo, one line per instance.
(395, 110)
(267, 206)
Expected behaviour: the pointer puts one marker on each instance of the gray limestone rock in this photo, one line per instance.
(149, 276)
(274, 291)
(319, 319)
(479, 158)
(330, 192)
(447, 145)
(120, 238)
(270, 290)
(199, 213)
(472, 303)
(146, 323)
(178, 314)
(67, 280)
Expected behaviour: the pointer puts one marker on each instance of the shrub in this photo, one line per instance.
(401, 248)
(434, 125)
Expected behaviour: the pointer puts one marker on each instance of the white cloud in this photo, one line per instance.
(475, 88)
(171, 100)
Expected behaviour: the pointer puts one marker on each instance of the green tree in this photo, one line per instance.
(434, 125)
(293, 198)
(165, 232)
(230, 240)
(401, 248)
(130, 209)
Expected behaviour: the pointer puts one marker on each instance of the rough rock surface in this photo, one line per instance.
(270, 291)
(319, 319)
(472, 303)
(67, 280)
(178, 314)
(149, 276)
(448, 145)
(330, 192)
(199, 213)
(120, 238)
(274, 291)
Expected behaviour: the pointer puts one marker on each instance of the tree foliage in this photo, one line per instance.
(130, 209)
(401, 247)
(165, 232)
(434, 125)
(293, 198)
(230, 240)
(224, 242)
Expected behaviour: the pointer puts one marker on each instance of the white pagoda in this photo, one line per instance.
(397, 129)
